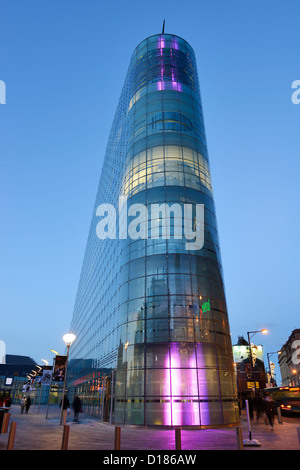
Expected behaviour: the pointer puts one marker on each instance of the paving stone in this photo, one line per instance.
(36, 432)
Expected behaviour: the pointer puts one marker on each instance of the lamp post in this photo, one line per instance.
(293, 378)
(252, 333)
(269, 364)
(69, 338)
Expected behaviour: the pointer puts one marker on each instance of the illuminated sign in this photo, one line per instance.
(250, 385)
(240, 353)
(249, 376)
(206, 306)
(59, 369)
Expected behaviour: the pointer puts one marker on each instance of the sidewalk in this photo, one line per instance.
(35, 432)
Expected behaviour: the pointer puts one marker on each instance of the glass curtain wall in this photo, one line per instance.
(147, 308)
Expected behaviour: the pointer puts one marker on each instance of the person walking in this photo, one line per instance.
(66, 403)
(269, 408)
(258, 405)
(23, 404)
(8, 401)
(28, 404)
(76, 407)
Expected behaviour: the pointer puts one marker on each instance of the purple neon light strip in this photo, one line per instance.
(161, 84)
(167, 407)
(175, 412)
(203, 390)
(194, 390)
(176, 386)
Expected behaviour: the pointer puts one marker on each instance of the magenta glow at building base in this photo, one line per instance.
(153, 344)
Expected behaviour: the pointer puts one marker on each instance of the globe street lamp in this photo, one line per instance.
(68, 338)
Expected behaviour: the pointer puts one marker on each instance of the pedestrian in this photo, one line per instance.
(66, 403)
(269, 408)
(28, 404)
(8, 401)
(76, 407)
(23, 404)
(66, 407)
(258, 402)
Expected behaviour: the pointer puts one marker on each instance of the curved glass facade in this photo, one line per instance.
(153, 343)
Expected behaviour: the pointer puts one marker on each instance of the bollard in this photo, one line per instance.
(11, 437)
(5, 423)
(117, 438)
(298, 432)
(65, 412)
(279, 414)
(177, 439)
(65, 438)
(239, 435)
(250, 441)
(1, 419)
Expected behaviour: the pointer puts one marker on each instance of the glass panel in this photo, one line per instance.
(157, 330)
(135, 356)
(157, 306)
(136, 309)
(158, 412)
(181, 329)
(134, 412)
(209, 383)
(158, 382)
(135, 383)
(206, 355)
(137, 288)
(157, 356)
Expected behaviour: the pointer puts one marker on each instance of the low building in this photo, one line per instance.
(14, 374)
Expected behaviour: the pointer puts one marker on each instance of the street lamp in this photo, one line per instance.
(55, 352)
(268, 356)
(252, 333)
(68, 338)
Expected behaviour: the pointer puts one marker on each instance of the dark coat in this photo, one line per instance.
(77, 404)
(66, 404)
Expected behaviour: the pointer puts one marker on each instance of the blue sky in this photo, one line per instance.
(64, 63)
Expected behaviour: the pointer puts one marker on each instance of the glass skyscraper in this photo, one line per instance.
(153, 344)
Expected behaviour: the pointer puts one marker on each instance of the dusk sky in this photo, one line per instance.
(64, 64)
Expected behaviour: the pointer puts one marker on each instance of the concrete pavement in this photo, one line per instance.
(35, 432)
